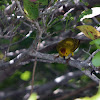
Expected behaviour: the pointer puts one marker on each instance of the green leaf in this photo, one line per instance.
(96, 60)
(33, 96)
(25, 76)
(2, 7)
(86, 3)
(91, 35)
(31, 9)
(92, 42)
(85, 12)
(96, 42)
(43, 2)
(3, 4)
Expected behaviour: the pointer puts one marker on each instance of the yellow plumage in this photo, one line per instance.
(67, 47)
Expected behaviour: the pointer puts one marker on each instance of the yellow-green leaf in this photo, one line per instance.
(26, 75)
(33, 96)
(89, 31)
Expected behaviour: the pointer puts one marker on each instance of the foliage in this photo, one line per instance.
(3, 3)
(89, 31)
(84, 13)
(31, 9)
(96, 42)
(93, 34)
(25, 76)
(96, 60)
(33, 96)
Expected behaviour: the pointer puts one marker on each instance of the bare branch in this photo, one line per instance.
(9, 10)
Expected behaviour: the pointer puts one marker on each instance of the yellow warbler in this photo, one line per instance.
(67, 47)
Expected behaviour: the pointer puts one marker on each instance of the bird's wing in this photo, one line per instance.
(76, 44)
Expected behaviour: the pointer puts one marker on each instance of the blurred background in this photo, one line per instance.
(57, 20)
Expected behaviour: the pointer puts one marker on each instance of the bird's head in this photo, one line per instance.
(64, 52)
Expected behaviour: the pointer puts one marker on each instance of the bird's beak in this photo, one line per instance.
(64, 57)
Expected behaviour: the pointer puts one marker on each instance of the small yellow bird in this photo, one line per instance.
(67, 47)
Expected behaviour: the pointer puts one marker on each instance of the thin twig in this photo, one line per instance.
(36, 43)
(91, 56)
(21, 10)
(34, 68)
